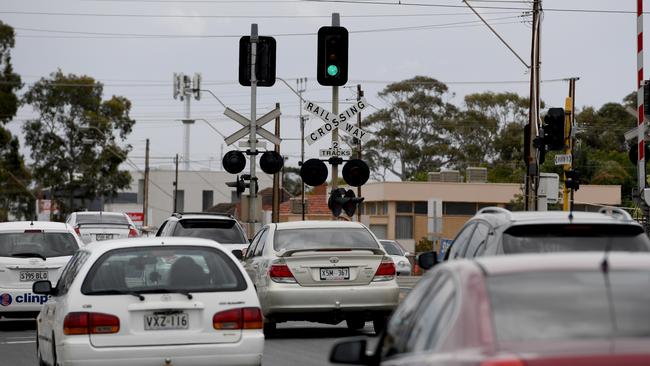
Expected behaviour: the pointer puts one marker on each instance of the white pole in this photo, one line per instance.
(336, 22)
(186, 133)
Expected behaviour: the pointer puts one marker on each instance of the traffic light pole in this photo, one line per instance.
(336, 22)
(359, 96)
(532, 162)
(252, 137)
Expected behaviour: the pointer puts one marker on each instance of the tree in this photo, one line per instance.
(74, 141)
(15, 196)
(411, 134)
(604, 129)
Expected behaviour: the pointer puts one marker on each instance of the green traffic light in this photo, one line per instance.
(332, 70)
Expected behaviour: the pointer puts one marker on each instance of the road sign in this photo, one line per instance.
(247, 128)
(328, 153)
(339, 121)
(563, 159)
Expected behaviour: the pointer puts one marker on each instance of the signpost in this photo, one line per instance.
(562, 159)
(246, 130)
(341, 121)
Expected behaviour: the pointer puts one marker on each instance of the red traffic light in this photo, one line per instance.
(356, 172)
(313, 172)
(271, 162)
(234, 162)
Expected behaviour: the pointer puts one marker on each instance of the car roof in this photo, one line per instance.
(104, 246)
(567, 261)
(88, 213)
(318, 224)
(207, 216)
(499, 217)
(40, 225)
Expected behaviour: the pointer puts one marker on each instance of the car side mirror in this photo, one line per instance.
(238, 254)
(350, 352)
(42, 288)
(427, 260)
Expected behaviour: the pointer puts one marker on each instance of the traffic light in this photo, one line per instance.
(332, 65)
(351, 202)
(271, 162)
(572, 179)
(554, 129)
(313, 172)
(646, 97)
(234, 162)
(341, 200)
(633, 154)
(238, 184)
(356, 172)
(264, 61)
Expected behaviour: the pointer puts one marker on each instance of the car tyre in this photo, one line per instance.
(379, 324)
(270, 328)
(355, 323)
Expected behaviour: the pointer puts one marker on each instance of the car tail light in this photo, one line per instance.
(76, 230)
(90, 323)
(385, 271)
(133, 233)
(281, 273)
(33, 231)
(243, 318)
(503, 362)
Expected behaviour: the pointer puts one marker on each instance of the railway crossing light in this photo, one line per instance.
(264, 61)
(234, 162)
(351, 202)
(342, 200)
(313, 172)
(332, 65)
(238, 184)
(271, 162)
(356, 172)
(554, 129)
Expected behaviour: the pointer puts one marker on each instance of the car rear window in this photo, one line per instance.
(323, 238)
(574, 237)
(163, 269)
(36, 244)
(570, 305)
(221, 231)
(391, 248)
(96, 218)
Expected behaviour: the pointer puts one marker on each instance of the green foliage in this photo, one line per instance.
(423, 245)
(74, 141)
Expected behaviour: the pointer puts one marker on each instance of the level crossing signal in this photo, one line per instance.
(234, 162)
(342, 200)
(264, 61)
(332, 64)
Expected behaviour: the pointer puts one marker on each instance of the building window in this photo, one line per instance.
(459, 208)
(180, 200)
(420, 207)
(382, 208)
(208, 199)
(380, 231)
(404, 207)
(404, 227)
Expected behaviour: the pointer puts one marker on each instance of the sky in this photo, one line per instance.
(135, 46)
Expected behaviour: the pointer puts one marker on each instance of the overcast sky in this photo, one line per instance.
(134, 47)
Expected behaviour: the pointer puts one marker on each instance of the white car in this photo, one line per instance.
(151, 301)
(398, 254)
(31, 251)
(99, 225)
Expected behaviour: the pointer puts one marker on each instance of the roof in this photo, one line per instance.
(27, 225)
(107, 213)
(202, 215)
(549, 262)
(500, 216)
(317, 224)
(315, 202)
(103, 246)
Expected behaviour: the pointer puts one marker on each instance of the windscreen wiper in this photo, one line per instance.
(29, 255)
(117, 292)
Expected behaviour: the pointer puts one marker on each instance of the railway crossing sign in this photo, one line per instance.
(335, 151)
(270, 116)
(339, 121)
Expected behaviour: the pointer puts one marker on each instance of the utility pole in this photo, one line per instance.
(359, 96)
(532, 162)
(145, 199)
(569, 104)
(176, 184)
(252, 136)
(301, 85)
(276, 177)
(336, 22)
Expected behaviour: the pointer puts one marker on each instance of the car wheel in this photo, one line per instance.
(355, 323)
(269, 328)
(379, 323)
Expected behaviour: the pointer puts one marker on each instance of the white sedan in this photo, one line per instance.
(151, 301)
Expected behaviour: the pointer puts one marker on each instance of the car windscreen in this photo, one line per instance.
(574, 237)
(37, 243)
(570, 305)
(163, 269)
(221, 231)
(391, 248)
(323, 238)
(97, 218)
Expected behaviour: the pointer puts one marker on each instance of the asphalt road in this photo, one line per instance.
(296, 343)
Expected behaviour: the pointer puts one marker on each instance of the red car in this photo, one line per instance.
(590, 309)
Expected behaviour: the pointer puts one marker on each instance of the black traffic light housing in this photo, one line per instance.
(271, 162)
(234, 162)
(342, 200)
(356, 173)
(332, 64)
(264, 62)
(313, 172)
(238, 184)
(572, 180)
(351, 203)
(554, 129)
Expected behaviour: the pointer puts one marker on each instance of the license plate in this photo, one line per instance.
(31, 276)
(166, 321)
(104, 236)
(335, 273)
